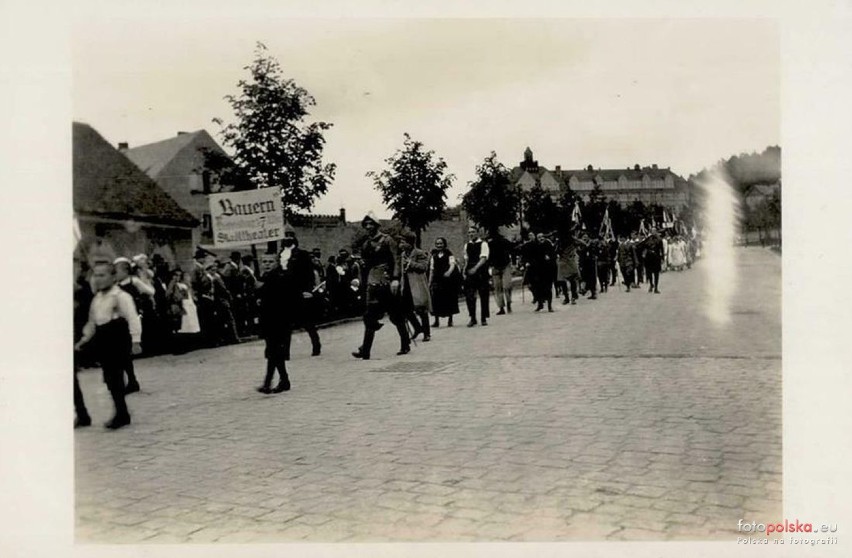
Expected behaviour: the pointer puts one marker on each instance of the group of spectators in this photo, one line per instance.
(216, 302)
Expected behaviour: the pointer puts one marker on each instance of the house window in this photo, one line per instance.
(206, 224)
(205, 182)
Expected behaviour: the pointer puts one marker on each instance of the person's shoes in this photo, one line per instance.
(118, 422)
(82, 422)
(436, 324)
(501, 312)
(283, 386)
(264, 389)
(416, 333)
(540, 307)
(656, 291)
(403, 351)
(573, 301)
(471, 323)
(484, 322)
(450, 323)
(509, 308)
(131, 388)
(549, 308)
(566, 301)
(427, 338)
(360, 354)
(593, 297)
(316, 351)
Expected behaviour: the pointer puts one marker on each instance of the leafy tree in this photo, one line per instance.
(593, 213)
(541, 212)
(492, 201)
(273, 145)
(220, 165)
(414, 186)
(634, 214)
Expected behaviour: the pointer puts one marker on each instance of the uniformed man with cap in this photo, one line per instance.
(382, 269)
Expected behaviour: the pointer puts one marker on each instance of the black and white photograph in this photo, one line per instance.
(398, 279)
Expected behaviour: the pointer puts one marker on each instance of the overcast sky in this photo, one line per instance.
(611, 93)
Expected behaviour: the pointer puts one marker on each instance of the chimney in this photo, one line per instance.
(343, 215)
(654, 166)
(637, 167)
(123, 146)
(558, 169)
(182, 133)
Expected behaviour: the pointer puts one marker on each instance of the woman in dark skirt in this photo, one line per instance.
(444, 283)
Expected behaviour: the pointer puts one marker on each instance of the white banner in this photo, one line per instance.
(243, 218)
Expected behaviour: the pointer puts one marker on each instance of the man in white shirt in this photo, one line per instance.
(115, 332)
(476, 276)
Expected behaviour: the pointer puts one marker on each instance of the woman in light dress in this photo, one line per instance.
(182, 310)
(677, 253)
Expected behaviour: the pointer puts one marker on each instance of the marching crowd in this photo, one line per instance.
(124, 306)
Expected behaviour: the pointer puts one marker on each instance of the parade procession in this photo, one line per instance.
(411, 307)
(219, 301)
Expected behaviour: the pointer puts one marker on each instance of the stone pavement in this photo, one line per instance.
(630, 417)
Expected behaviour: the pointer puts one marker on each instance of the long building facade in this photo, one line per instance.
(649, 184)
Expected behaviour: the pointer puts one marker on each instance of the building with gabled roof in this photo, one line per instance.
(179, 166)
(119, 210)
(649, 184)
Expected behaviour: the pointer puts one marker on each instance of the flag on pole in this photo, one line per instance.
(606, 227)
(642, 229)
(577, 217)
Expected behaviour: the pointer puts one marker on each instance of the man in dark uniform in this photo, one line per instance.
(303, 265)
(613, 258)
(382, 269)
(653, 250)
(568, 270)
(544, 272)
(602, 261)
(627, 261)
(588, 264)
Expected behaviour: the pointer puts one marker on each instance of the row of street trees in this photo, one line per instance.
(274, 145)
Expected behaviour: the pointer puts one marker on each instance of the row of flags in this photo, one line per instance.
(606, 232)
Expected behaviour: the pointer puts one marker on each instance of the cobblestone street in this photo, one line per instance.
(630, 417)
